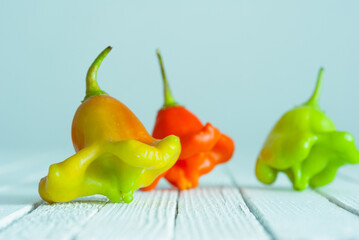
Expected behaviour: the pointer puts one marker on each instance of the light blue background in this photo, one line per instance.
(237, 64)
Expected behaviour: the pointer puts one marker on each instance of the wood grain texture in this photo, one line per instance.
(57, 221)
(151, 215)
(18, 191)
(344, 192)
(16, 202)
(288, 214)
(153, 212)
(215, 210)
(300, 215)
(10, 213)
(19, 195)
(215, 213)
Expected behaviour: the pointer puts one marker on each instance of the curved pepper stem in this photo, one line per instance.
(169, 100)
(314, 99)
(92, 88)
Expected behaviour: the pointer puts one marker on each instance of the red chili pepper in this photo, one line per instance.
(203, 146)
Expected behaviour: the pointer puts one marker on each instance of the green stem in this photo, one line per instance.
(314, 99)
(92, 88)
(169, 100)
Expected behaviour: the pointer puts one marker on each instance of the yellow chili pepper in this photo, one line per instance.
(115, 154)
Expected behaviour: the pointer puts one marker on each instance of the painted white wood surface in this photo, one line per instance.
(59, 221)
(151, 215)
(19, 178)
(287, 214)
(216, 210)
(300, 215)
(216, 213)
(344, 192)
(230, 204)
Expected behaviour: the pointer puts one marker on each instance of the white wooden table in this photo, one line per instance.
(230, 204)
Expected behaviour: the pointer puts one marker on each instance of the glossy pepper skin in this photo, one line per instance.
(305, 145)
(203, 146)
(115, 154)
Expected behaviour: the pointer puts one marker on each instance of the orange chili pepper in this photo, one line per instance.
(203, 146)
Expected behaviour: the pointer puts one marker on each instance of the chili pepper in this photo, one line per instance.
(115, 154)
(305, 145)
(203, 146)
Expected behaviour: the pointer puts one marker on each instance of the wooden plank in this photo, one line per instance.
(15, 209)
(10, 213)
(215, 213)
(288, 214)
(20, 176)
(153, 212)
(151, 215)
(56, 221)
(17, 200)
(344, 192)
(216, 210)
(18, 193)
(300, 215)
(343, 188)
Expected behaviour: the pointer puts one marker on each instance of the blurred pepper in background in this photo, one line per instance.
(203, 146)
(305, 145)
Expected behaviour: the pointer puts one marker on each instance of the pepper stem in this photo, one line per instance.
(92, 88)
(314, 99)
(169, 100)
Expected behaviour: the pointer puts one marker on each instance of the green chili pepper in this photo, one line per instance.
(305, 145)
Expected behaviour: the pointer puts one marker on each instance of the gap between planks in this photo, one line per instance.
(218, 211)
(250, 206)
(208, 212)
(217, 178)
(48, 221)
(335, 198)
(152, 212)
(343, 192)
(18, 194)
(342, 200)
(176, 215)
(16, 214)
